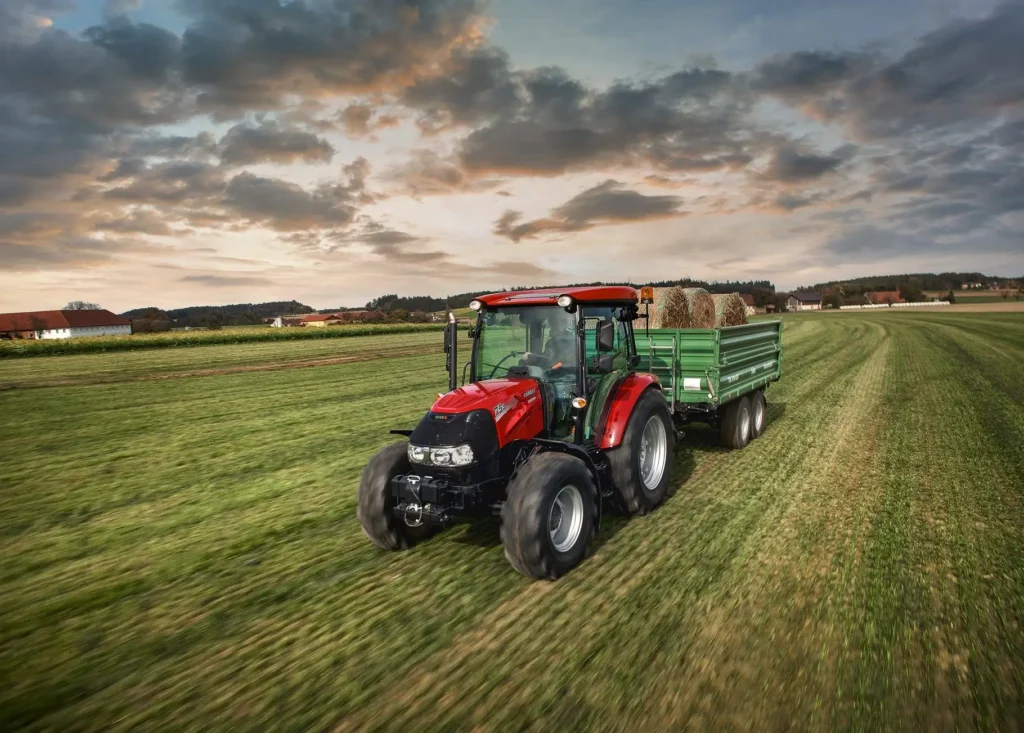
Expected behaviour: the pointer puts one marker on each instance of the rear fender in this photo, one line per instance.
(620, 406)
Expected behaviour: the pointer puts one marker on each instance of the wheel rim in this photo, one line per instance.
(744, 423)
(758, 416)
(653, 453)
(565, 519)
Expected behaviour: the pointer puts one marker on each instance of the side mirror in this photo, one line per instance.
(606, 336)
(604, 363)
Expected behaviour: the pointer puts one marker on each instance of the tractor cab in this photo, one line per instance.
(545, 423)
(574, 348)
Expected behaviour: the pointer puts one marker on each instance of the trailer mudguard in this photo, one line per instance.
(620, 406)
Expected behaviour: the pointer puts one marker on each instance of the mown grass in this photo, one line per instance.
(180, 339)
(183, 553)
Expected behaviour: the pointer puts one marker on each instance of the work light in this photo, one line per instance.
(476, 305)
(565, 300)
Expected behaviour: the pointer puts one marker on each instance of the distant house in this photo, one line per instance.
(62, 324)
(319, 320)
(748, 300)
(286, 321)
(884, 297)
(804, 302)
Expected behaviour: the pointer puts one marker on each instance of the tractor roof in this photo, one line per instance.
(548, 296)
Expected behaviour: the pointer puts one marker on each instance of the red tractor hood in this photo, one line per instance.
(515, 405)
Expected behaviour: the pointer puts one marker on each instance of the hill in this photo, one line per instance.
(238, 314)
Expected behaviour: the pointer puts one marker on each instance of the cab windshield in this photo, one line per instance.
(540, 338)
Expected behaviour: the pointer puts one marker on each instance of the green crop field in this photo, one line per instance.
(180, 551)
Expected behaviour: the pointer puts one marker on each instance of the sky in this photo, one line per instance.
(187, 152)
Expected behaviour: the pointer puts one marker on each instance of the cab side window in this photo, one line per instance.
(620, 352)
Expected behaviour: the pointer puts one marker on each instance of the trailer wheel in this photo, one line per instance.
(736, 423)
(376, 503)
(548, 519)
(757, 414)
(641, 465)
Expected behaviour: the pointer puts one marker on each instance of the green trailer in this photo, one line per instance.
(715, 375)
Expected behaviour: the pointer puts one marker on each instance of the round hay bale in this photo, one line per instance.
(686, 308)
(730, 310)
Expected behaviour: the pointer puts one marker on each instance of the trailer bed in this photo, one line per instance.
(703, 368)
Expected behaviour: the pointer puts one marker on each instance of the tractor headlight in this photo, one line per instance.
(564, 301)
(460, 455)
(476, 305)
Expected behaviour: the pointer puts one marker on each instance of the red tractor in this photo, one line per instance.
(553, 425)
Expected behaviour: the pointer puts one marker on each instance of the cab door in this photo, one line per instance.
(604, 369)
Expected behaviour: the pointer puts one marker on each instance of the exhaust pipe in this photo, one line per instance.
(451, 347)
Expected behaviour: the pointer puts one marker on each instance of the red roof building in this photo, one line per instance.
(884, 297)
(63, 324)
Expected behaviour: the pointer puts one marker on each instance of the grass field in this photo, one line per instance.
(975, 296)
(180, 551)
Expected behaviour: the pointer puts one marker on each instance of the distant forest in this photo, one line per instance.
(212, 316)
(923, 281)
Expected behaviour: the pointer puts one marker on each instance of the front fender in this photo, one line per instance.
(620, 407)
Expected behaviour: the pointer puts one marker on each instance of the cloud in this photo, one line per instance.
(286, 206)
(607, 203)
(227, 281)
(357, 120)
(247, 55)
(427, 173)
(790, 164)
(270, 142)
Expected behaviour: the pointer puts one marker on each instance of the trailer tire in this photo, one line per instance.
(758, 414)
(735, 424)
(548, 519)
(640, 496)
(376, 503)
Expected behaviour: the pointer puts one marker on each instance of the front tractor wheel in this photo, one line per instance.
(642, 464)
(376, 504)
(548, 519)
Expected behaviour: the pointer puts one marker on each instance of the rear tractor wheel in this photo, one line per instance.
(642, 464)
(736, 424)
(548, 519)
(376, 503)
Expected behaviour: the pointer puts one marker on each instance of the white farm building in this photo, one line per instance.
(62, 324)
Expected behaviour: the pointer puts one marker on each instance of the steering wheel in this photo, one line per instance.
(497, 366)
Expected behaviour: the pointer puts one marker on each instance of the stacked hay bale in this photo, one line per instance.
(682, 308)
(730, 310)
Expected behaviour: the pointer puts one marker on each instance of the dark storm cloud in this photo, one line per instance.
(286, 206)
(790, 164)
(544, 122)
(803, 73)
(249, 54)
(607, 203)
(270, 142)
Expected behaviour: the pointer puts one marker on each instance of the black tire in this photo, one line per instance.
(625, 458)
(530, 509)
(735, 424)
(758, 414)
(376, 503)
